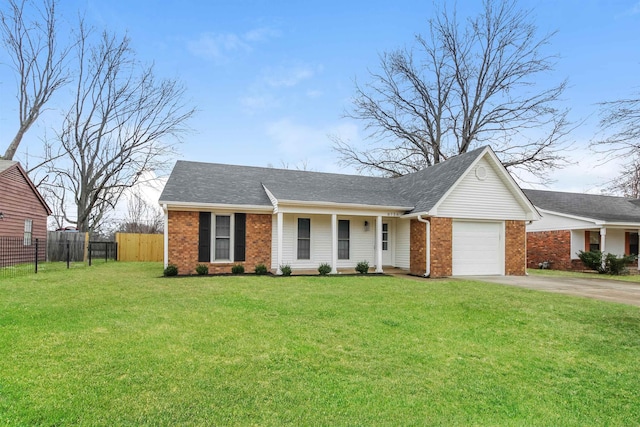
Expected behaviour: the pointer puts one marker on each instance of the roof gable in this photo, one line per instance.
(7, 165)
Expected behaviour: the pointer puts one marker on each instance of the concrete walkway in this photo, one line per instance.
(602, 289)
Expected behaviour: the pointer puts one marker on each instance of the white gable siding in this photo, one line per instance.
(487, 198)
(402, 239)
(551, 222)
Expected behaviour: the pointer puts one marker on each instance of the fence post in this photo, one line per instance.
(89, 250)
(68, 255)
(106, 251)
(36, 256)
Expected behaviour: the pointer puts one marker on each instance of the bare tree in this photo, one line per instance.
(142, 217)
(29, 35)
(620, 122)
(460, 87)
(123, 122)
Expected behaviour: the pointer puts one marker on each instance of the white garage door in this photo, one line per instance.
(478, 248)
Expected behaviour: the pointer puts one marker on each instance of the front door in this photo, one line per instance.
(387, 247)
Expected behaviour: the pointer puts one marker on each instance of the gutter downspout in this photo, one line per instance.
(428, 266)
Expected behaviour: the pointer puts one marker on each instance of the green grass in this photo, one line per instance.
(115, 344)
(590, 275)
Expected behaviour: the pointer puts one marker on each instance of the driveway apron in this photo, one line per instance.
(602, 289)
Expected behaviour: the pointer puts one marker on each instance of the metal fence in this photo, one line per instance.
(18, 257)
(103, 251)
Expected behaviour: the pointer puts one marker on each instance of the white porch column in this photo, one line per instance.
(603, 246)
(639, 247)
(280, 236)
(166, 235)
(334, 244)
(379, 244)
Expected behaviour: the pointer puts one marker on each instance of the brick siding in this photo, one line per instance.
(441, 247)
(441, 256)
(515, 254)
(258, 244)
(417, 252)
(183, 243)
(553, 246)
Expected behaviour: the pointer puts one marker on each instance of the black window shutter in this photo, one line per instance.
(204, 237)
(239, 237)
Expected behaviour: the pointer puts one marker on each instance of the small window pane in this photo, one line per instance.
(304, 228)
(223, 226)
(633, 243)
(304, 249)
(222, 248)
(343, 229)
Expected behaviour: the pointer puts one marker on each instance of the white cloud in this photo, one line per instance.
(288, 76)
(261, 34)
(295, 142)
(269, 90)
(253, 103)
(220, 46)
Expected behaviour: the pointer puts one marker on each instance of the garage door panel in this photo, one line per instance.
(477, 248)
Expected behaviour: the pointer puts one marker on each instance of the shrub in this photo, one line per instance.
(324, 269)
(362, 267)
(617, 266)
(612, 264)
(171, 270)
(202, 269)
(260, 269)
(237, 269)
(286, 270)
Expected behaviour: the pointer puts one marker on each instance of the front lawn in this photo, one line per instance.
(115, 344)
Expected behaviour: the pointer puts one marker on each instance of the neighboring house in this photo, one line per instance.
(572, 222)
(465, 216)
(23, 211)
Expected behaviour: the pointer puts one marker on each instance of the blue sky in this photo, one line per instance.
(271, 79)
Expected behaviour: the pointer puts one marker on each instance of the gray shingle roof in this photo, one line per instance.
(213, 183)
(603, 208)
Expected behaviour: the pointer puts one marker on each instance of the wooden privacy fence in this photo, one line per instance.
(140, 247)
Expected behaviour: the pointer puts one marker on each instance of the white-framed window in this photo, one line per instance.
(222, 238)
(28, 231)
(304, 238)
(343, 239)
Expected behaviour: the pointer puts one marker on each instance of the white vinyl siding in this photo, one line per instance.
(486, 198)
(550, 222)
(361, 241)
(402, 239)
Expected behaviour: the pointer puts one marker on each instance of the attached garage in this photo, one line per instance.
(478, 248)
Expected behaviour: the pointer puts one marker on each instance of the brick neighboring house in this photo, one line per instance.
(464, 216)
(572, 222)
(23, 211)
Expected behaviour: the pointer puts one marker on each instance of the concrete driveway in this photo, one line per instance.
(602, 289)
